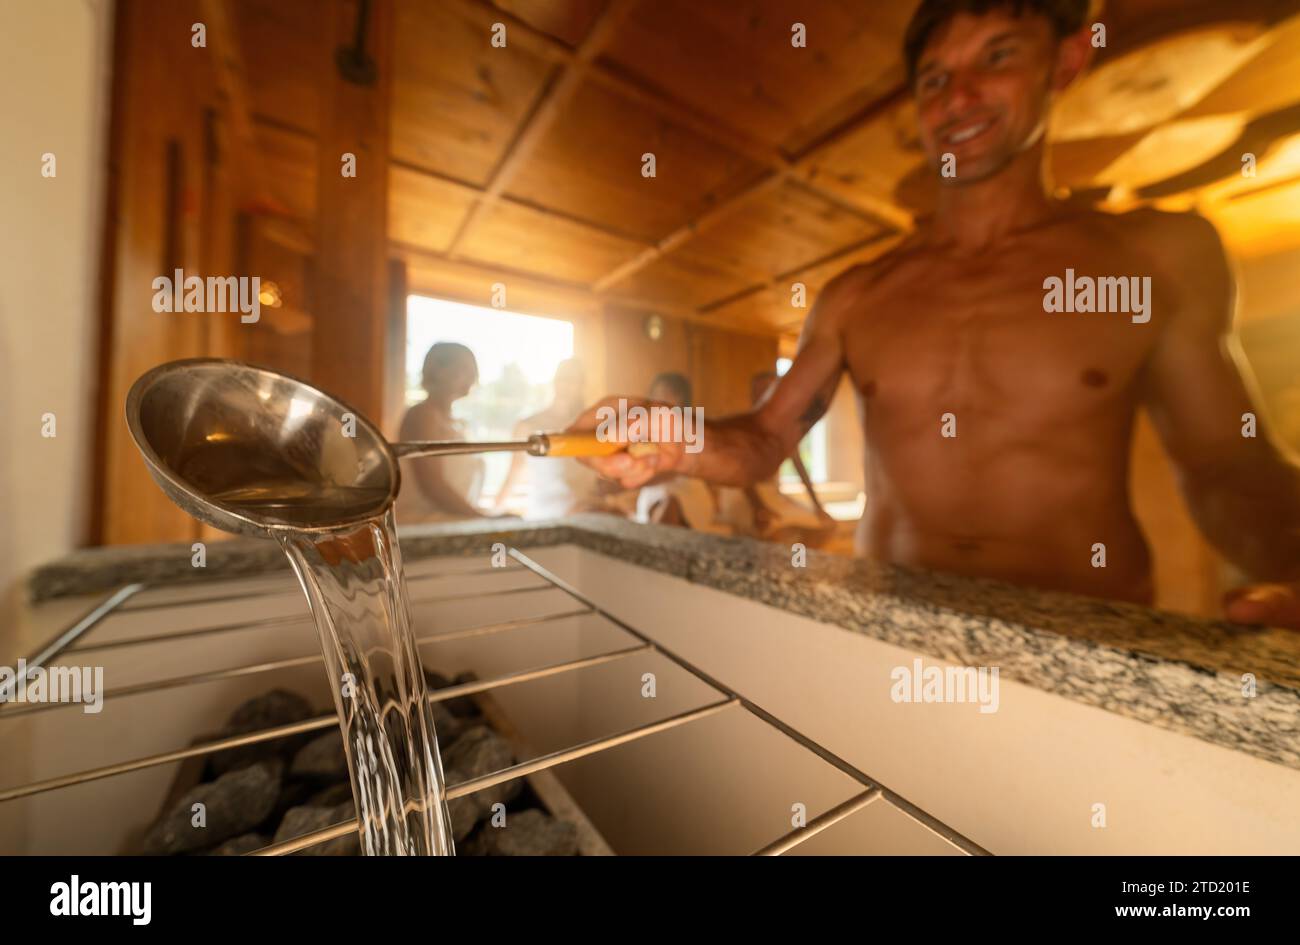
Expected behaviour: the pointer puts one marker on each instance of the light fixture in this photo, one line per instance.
(269, 294)
(654, 327)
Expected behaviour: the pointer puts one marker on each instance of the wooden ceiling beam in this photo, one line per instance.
(773, 159)
(784, 277)
(467, 187)
(706, 126)
(550, 212)
(560, 288)
(538, 122)
(486, 14)
(683, 233)
(789, 170)
(486, 269)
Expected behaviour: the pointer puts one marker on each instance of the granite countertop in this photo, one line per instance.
(1176, 672)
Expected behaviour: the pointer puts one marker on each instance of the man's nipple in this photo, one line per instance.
(1094, 378)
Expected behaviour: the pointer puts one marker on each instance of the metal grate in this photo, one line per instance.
(72, 639)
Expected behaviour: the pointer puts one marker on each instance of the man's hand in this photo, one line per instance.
(666, 452)
(1273, 605)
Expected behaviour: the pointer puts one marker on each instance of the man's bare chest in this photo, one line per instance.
(1042, 333)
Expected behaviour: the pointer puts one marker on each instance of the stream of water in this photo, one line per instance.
(353, 580)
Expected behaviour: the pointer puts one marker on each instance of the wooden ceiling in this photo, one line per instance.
(774, 164)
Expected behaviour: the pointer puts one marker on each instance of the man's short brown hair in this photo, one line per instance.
(1065, 16)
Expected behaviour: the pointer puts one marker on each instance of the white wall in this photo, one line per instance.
(54, 93)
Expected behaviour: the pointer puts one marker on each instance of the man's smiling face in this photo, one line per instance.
(983, 87)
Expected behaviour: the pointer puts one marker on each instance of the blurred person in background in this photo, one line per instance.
(440, 488)
(678, 500)
(556, 487)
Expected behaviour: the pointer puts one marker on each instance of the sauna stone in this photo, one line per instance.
(321, 760)
(300, 820)
(271, 709)
(234, 804)
(462, 707)
(529, 832)
(238, 846)
(331, 796)
(447, 726)
(477, 752)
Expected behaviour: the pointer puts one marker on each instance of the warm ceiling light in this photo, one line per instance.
(1172, 149)
(1154, 83)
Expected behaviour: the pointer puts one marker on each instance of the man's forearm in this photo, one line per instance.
(1252, 515)
(736, 451)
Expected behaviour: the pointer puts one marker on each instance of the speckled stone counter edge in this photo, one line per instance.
(1176, 672)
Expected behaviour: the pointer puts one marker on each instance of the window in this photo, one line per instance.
(517, 356)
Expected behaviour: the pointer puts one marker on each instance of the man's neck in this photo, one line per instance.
(974, 216)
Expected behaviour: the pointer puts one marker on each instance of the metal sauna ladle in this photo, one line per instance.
(254, 451)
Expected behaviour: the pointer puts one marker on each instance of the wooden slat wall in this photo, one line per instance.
(166, 196)
(722, 364)
(719, 363)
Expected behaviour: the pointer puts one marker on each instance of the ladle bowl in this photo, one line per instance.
(254, 451)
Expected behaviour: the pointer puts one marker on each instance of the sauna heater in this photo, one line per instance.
(647, 752)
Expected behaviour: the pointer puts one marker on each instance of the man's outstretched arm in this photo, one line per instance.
(1243, 491)
(745, 448)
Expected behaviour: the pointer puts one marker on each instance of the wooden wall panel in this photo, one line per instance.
(160, 147)
(278, 41)
(722, 364)
(281, 339)
(290, 161)
(632, 359)
(718, 362)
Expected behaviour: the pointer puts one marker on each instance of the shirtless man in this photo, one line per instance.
(998, 432)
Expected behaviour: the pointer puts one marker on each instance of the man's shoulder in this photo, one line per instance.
(872, 275)
(1179, 239)
(1184, 254)
(862, 286)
